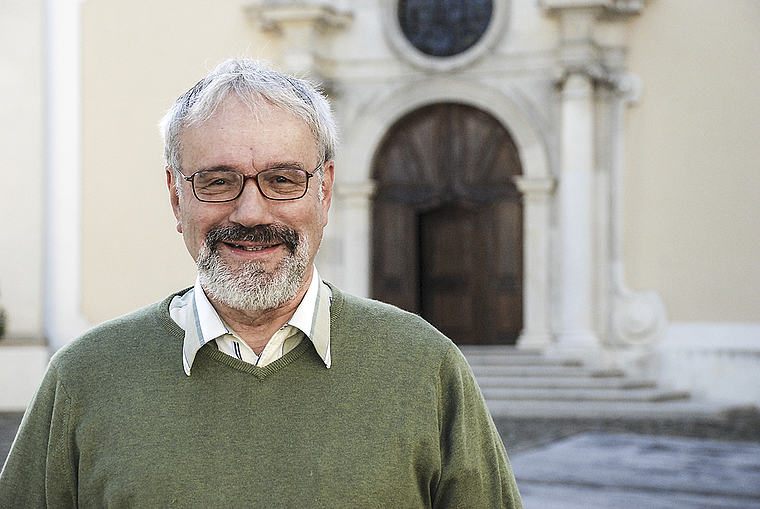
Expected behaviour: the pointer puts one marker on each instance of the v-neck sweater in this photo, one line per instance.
(397, 421)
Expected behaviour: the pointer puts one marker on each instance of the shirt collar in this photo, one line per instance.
(195, 314)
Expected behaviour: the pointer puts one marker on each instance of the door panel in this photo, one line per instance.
(448, 272)
(447, 223)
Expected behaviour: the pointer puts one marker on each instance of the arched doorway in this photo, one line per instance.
(447, 223)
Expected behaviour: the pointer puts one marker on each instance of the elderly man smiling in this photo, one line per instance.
(262, 385)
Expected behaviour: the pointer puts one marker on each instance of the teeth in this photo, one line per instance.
(246, 248)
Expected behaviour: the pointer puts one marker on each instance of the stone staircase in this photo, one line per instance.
(525, 384)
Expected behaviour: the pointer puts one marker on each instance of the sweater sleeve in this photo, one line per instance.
(39, 471)
(475, 470)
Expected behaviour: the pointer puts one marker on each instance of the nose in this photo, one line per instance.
(251, 208)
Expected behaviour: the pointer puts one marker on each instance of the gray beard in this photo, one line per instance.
(249, 287)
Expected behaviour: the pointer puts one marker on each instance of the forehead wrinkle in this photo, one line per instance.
(278, 125)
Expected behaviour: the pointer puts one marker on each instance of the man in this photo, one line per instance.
(261, 386)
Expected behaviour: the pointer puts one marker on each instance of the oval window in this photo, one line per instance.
(444, 28)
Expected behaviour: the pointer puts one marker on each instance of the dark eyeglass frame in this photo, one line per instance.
(255, 178)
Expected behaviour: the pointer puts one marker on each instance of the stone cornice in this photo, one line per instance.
(608, 7)
(275, 15)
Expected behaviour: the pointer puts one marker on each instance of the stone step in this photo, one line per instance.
(525, 384)
(514, 370)
(506, 356)
(517, 360)
(686, 410)
(564, 382)
(582, 394)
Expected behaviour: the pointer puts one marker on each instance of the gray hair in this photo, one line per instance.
(251, 81)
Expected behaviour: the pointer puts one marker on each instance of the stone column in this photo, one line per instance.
(576, 313)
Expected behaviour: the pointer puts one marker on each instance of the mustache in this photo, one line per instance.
(264, 233)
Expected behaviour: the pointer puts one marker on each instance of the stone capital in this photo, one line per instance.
(530, 187)
(355, 190)
(304, 28)
(607, 7)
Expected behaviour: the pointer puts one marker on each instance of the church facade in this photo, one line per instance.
(577, 177)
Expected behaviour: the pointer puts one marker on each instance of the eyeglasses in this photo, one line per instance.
(278, 184)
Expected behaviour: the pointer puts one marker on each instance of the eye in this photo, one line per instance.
(220, 181)
(281, 179)
(215, 180)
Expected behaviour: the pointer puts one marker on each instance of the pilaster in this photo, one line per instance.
(356, 219)
(537, 194)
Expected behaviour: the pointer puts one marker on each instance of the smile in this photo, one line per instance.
(249, 248)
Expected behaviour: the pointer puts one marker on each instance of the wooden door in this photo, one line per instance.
(447, 223)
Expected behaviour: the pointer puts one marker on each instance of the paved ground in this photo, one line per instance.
(8, 424)
(591, 465)
(621, 471)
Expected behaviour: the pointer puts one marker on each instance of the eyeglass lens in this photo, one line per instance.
(275, 184)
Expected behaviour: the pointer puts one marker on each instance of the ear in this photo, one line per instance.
(327, 189)
(171, 183)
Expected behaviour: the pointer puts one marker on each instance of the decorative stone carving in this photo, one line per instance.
(638, 318)
(579, 51)
(305, 27)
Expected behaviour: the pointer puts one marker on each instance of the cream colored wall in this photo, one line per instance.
(22, 186)
(693, 158)
(138, 57)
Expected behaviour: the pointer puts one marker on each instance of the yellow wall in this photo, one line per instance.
(693, 158)
(138, 58)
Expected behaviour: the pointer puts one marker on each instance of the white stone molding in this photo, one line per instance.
(610, 7)
(64, 319)
(496, 29)
(638, 318)
(305, 27)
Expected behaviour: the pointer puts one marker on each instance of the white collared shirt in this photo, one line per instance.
(202, 324)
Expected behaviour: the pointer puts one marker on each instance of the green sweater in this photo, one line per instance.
(397, 421)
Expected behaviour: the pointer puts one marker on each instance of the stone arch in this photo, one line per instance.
(505, 105)
(354, 184)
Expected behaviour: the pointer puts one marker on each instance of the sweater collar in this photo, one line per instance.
(202, 324)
